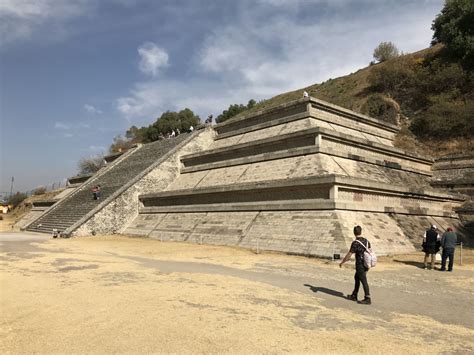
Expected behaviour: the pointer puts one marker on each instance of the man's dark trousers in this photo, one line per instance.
(447, 253)
(361, 276)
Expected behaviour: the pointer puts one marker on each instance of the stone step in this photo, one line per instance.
(74, 207)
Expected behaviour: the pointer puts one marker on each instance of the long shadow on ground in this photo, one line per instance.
(326, 291)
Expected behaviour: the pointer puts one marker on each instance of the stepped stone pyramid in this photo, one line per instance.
(41, 206)
(455, 172)
(297, 178)
(131, 171)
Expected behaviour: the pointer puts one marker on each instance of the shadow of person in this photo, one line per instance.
(326, 290)
(417, 264)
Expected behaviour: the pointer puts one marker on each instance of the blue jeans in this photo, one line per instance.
(447, 253)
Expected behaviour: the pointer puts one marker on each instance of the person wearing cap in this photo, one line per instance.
(431, 244)
(448, 243)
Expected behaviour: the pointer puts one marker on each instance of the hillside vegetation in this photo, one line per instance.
(430, 93)
(427, 93)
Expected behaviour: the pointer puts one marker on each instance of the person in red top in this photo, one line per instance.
(360, 275)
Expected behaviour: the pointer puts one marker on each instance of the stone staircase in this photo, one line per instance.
(77, 205)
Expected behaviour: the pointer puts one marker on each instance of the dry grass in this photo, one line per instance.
(87, 296)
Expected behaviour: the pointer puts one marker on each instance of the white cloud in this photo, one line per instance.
(20, 18)
(250, 58)
(96, 148)
(62, 125)
(149, 100)
(152, 58)
(92, 109)
(285, 53)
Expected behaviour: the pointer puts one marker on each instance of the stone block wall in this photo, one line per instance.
(312, 233)
(263, 184)
(295, 167)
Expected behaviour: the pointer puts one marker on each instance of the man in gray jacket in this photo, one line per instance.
(448, 243)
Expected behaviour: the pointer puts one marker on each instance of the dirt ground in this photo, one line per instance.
(132, 295)
(7, 222)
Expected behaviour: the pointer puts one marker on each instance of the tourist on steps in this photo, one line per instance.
(448, 243)
(96, 192)
(430, 245)
(305, 94)
(360, 276)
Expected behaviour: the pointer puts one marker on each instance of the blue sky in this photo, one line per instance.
(75, 74)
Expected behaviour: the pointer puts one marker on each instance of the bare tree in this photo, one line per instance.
(91, 164)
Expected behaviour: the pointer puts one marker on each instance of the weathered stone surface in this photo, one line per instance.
(315, 233)
(122, 207)
(256, 186)
(77, 208)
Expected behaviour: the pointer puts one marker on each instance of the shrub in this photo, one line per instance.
(39, 190)
(394, 76)
(385, 51)
(91, 164)
(383, 108)
(445, 118)
(16, 199)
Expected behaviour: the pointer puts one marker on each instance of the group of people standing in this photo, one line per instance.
(432, 242)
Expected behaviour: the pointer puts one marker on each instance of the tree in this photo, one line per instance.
(454, 27)
(91, 164)
(120, 144)
(234, 110)
(135, 134)
(40, 190)
(16, 199)
(385, 51)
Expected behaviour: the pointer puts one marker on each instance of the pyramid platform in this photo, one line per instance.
(297, 178)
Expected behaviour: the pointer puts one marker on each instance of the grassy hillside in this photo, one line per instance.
(428, 94)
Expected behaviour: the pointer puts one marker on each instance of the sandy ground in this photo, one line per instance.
(6, 224)
(132, 295)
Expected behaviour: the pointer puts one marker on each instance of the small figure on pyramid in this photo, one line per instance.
(209, 119)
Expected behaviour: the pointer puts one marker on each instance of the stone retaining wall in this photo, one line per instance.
(312, 233)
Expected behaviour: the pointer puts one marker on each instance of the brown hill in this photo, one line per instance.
(356, 92)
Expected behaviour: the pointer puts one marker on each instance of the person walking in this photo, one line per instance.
(358, 247)
(431, 244)
(448, 243)
(94, 192)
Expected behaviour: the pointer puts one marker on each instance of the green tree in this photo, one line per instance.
(385, 51)
(454, 27)
(234, 110)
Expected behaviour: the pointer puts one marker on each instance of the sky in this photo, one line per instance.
(74, 74)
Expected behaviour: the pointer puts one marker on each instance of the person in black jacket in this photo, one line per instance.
(431, 244)
(360, 276)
